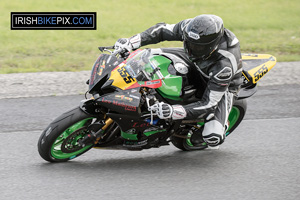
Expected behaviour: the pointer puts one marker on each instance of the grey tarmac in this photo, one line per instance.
(259, 160)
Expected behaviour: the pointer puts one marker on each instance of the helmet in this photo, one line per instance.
(201, 36)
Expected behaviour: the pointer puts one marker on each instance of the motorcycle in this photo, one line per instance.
(121, 114)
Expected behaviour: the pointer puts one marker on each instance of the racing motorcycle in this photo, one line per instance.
(121, 114)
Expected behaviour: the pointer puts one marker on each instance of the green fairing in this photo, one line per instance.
(56, 147)
(153, 132)
(129, 136)
(172, 84)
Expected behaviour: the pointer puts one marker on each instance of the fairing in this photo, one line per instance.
(138, 70)
(255, 66)
(101, 71)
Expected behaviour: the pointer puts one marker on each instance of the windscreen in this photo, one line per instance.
(139, 66)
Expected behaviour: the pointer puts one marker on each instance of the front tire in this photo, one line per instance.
(59, 141)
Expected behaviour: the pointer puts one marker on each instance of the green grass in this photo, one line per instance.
(269, 26)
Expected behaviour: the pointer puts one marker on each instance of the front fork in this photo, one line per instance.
(97, 129)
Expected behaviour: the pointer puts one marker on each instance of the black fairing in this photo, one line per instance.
(127, 122)
(125, 102)
(101, 71)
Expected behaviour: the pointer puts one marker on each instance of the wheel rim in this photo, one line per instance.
(188, 144)
(58, 151)
(188, 141)
(233, 118)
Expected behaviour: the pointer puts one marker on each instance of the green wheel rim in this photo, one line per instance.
(233, 118)
(56, 147)
(188, 141)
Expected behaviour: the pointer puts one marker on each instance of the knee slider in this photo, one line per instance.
(214, 139)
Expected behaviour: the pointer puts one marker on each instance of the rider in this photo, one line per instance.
(214, 52)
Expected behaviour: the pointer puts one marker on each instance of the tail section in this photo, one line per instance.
(255, 66)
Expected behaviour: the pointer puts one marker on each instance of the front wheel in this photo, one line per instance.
(59, 141)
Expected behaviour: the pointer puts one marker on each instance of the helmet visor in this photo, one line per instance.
(198, 50)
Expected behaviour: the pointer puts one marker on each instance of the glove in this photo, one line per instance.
(129, 43)
(123, 43)
(166, 111)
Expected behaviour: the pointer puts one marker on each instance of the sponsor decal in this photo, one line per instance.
(106, 101)
(135, 143)
(193, 35)
(102, 67)
(152, 82)
(121, 104)
(141, 125)
(95, 68)
(123, 97)
(133, 96)
(125, 106)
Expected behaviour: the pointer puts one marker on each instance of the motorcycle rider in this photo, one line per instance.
(214, 52)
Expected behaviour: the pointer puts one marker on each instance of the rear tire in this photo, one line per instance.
(185, 144)
(235, 117)
(59, 141)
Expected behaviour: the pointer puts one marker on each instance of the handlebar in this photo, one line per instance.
(105, 48)
(124, 53)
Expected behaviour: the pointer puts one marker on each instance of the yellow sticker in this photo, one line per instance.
(267, 63)
(258, 72)
(121, 77)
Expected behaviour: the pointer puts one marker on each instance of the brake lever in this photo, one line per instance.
(102, 49)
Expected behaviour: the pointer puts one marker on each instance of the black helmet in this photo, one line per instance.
(202, 35)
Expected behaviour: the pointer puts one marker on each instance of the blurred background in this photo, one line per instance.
(262, 26)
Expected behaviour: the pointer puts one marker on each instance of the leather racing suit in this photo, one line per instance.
(221, 73)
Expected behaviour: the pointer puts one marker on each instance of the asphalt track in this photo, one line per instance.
(260, 160)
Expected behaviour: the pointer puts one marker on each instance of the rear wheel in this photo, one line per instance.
(236, 115)
(59, 141)
(238, 111)
(182, 141)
